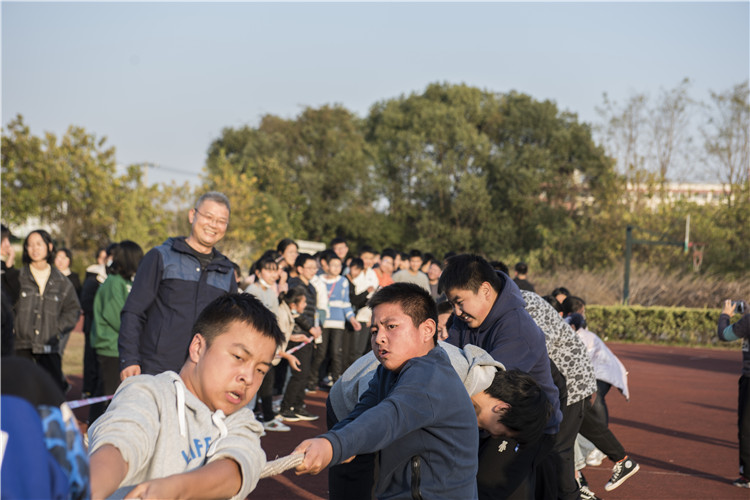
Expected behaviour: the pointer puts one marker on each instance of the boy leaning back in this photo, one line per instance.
(190, 435)
(416, 411)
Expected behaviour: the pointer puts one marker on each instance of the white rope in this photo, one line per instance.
(282, 464)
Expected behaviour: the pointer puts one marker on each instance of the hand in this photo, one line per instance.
(728, 308)
(166, 487)
(130, 371)
(318, 453)
(355, 324)
(316, 331)
(300, 337)
(294, 362)
(370, 289)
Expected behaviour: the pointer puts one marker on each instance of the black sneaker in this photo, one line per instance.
(289, 415)
(303, 414)
(587, 494)
(622, 471)
(742, 482)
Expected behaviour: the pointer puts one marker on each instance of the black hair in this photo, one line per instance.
(337, 241)
(468, 272)
(529, 407)
(388, 252)
(522, 268)
(26, 259)
(551, 300)
(265, 262)
(427, 257)
(444, 307)
(560, 291)
(126, 257)
(4, 232)
(577, 321)
(416, 302)
(329, 255)
(293, 295)
(367, 249)
(416, 253)
(285, 243)
(572, 304)
(357, 262)
(243, 307)
(237, 268)
(302, 260)
(499, 265)
(67, 253)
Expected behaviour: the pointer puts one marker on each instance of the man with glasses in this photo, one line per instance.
(174, 282)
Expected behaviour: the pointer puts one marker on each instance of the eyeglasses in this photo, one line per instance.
(212, 220)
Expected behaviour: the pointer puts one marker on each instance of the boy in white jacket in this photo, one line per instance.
(170, 435)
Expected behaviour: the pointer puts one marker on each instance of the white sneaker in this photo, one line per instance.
(595, 458)
(276, 426)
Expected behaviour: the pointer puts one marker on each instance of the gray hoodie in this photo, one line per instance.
(474, 366)
(161, 428)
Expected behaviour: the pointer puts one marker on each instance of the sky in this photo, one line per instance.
(161, 80)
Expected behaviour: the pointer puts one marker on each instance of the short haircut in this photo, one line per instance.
(427, 257)
(444, 307)
(330, 255)
(265, 262)
(283, 244)
(572, 304)
(26, 259)
(529, 407)
(67, 253)
(367, 249)
(4, 232)
(499, 265)
(560, 291)
(388, 252)
(436, 262)
(415, 253)
(522, 268)
(215, 319)
(404, 256)
(357, 263)
(577, 321)
(126, 257)
(293, 295)
(338, 240)
(214, 196)
(468, 272)
(551, 300)
(302, 260)
(416, 302)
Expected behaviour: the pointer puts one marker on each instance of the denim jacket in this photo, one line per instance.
(41, 320)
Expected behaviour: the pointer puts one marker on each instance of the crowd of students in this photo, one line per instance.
(406, 343)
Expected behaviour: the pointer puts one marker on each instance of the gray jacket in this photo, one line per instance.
(42, 320)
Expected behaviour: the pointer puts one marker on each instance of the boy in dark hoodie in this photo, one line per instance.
(490, 313)
(416, 411)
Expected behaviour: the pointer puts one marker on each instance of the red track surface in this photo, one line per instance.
(680, 425)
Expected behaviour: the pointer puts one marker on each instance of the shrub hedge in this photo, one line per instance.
(662, 325)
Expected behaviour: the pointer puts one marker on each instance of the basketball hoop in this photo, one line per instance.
(697, 255)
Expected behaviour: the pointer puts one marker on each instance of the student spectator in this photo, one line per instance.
(292, 405)
(384, 271)
(63, 261)
(413, 274)
(288, 252)
(342, 346)
(108, 304)
(560, 293)
(740, 330)
(520, 278)
(47, 307)
(434, 270)
(415, 411)
(9, 273)
(341, 249)
(403, 264)
(366, 281)
(266, 271)
(291, 304)
(445, 313)
(490, 312)
(173, 436)
(175, 281)
(319, 366)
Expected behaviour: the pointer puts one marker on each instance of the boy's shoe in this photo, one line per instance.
(595, 458)
(587, 494)
(742, 482)
(303, 414)
(276, 425)
(289, 415)
(622, 471)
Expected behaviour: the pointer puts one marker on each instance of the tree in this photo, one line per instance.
(670, 121)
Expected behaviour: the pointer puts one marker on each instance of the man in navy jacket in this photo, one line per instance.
(174, 283)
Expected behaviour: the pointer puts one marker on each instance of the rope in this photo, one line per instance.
(282, 464)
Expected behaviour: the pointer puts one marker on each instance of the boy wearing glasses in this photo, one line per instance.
(174, 283)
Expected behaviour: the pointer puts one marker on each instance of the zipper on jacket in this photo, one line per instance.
(416, 463)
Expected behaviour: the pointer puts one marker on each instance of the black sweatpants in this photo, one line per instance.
(743, 423)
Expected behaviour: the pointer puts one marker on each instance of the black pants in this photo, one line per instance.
(50, 362)
(90, 364)
(355, 480)
(108, 382)
(599, 407)
(318, 356)
(593, 429)
(294, 396)
(743, 422)
(338, 339)
(563, 453)
(508, 472)
(265, 394)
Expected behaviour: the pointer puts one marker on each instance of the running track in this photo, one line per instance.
(680, 425)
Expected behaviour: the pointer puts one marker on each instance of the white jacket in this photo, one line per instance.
(607, 366)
